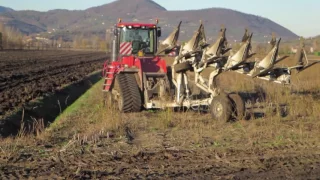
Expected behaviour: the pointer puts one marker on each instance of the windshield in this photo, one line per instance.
(140, 39)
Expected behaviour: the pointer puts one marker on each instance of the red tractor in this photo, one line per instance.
(138, 77)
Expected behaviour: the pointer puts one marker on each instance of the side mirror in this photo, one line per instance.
(115, 31)
(159, 32)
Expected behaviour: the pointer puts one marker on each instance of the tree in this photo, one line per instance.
(316, 45)
(60, 41)
(1, 41)
(77, 41)
(285, 49)
(259, 49)
(95, 41)
(103, 45)
(84, 43)
(10, 38)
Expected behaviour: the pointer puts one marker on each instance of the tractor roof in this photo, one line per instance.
(122, 24)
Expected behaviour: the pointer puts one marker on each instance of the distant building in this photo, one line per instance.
(311, 50)
(294, 49)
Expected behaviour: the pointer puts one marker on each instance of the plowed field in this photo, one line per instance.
(26, 75)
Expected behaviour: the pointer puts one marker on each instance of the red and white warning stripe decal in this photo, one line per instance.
(125, 48)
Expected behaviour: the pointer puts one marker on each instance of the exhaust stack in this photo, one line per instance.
(114, 55)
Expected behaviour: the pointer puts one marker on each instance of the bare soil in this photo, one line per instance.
(26, 75)
(95, 143)
(142, 153)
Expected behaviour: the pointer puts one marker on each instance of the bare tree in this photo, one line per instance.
(316, 45)
(1, 48)
(10, 38)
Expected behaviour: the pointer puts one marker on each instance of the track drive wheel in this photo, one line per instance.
(126, 93)
(238, 106)
(221, 108)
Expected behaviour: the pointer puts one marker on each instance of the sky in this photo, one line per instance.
(300, 16)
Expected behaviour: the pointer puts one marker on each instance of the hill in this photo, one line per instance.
(309, 42)
(5, 9)
(97, 19)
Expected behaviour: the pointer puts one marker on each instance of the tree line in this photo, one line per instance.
(10, 38)
(13, 39)
(90, 42)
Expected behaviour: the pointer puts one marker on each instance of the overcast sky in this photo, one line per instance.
(300, 16)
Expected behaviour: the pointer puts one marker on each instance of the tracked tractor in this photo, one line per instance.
(140, 76)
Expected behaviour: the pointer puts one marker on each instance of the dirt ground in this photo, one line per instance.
(90, 142)
(144, 153)
(26, 75)
(93, 143)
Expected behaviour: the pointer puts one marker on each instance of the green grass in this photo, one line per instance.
(78, 104)
(78, 112)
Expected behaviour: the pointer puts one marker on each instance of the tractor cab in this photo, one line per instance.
(135, 39)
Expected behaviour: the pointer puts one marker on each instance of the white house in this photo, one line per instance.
(311, 50)
(294, 49)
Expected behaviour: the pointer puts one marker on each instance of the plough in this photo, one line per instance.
(138, 77)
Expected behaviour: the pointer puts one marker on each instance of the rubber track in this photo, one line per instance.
(135, 92)
(130, 92)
